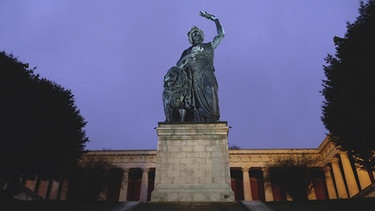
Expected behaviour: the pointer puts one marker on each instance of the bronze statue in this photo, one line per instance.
(176, 95)
(198, 97)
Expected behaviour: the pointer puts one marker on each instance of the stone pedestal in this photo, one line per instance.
(192, 163)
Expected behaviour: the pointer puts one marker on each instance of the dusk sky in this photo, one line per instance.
(113, 55)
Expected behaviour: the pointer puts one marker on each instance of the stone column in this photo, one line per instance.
(64, 187)
(340, 184)
(349, 174)
(311, 193)
(31, 183)
(124, 185)
(43, 188)
(144, 185)
(246, 184)
(329, 183)
(268, 195)
(364, 178)
(53, 190)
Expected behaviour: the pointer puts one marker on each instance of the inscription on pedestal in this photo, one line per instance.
(192, 163)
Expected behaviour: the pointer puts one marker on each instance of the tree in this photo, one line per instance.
(349, 90)
(41, 130)
(294, 174)
(233, 147)
(90, 178)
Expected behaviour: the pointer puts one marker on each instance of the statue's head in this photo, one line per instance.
(195, 35)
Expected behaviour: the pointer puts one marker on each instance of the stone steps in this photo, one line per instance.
(190, 206)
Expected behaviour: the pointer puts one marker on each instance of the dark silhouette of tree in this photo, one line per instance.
(234, 147)
(41, 130)
(349, 90)
(90, 178)
(294, 175)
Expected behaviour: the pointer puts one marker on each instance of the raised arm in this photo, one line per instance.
(220, 30)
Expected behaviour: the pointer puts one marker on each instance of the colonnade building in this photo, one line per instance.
(251, 178)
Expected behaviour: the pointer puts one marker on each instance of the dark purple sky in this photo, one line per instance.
(113, 56)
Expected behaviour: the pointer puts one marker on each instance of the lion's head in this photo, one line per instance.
(175, 79)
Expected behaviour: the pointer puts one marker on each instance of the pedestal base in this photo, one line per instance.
(192, 163)
(191, 193)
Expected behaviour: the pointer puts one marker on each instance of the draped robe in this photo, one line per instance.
(199, 66)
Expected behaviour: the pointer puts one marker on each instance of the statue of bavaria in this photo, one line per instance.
(190, 88)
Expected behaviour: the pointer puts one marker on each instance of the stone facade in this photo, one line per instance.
(250, 177)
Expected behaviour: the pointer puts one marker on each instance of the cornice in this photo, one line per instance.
(120, 153)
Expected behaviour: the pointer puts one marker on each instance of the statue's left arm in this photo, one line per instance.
(219, 28)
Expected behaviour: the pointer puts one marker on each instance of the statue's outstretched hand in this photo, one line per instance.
(207, 15)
